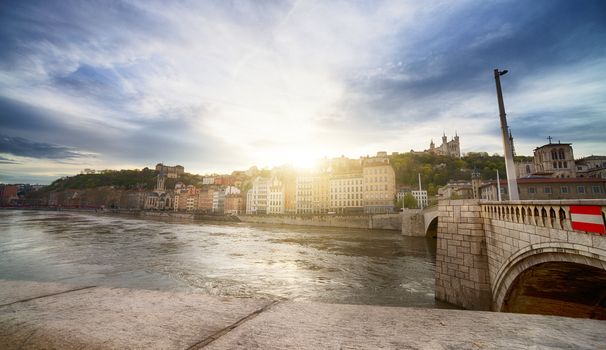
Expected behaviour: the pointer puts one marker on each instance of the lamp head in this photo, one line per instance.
(503, 72)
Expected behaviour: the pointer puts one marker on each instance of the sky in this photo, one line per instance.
(218, 86)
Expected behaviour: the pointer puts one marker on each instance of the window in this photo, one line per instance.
(565, 164)
(596, 189)
(527, 169)
(554, 155)
(561, 153)
(532, 190)
(564, 189)
(547, 190)
(580, 189)
(555, 165)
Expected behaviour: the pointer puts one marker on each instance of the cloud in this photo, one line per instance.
(222, 85)
(4, 160)
(25, 148)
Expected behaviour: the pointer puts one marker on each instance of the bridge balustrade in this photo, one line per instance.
(550, 214)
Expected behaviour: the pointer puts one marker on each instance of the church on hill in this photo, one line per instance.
(447, 148)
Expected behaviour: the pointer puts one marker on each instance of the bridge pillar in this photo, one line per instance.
(461, 257)
(412, 222)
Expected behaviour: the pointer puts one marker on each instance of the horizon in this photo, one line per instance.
(217, 87)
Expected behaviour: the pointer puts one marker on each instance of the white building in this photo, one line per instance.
(208, 180)
(421, 197)
(256, 198)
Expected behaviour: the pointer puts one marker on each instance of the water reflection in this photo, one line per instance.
(303, 263)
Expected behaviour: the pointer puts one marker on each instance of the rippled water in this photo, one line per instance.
(334, 265)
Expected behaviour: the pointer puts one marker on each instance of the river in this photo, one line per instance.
(335, 265)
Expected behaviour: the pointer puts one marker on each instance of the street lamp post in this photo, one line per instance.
(512, 184)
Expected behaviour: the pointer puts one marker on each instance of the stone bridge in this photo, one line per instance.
(420, 222)
(520, 256)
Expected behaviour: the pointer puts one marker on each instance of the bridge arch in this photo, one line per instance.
(430, 219)
(539, 277)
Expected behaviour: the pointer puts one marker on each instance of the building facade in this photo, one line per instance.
(554, 160)
(592, 166)
(421, 197)
(276, 198)
(450, 148)
(218, 201)
(303, 194)
(257, 196)
(379, 184)
(172, 172)
(346, 193)
(234, 204)
(549, 188)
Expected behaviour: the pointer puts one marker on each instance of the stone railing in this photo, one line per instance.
(548, 213)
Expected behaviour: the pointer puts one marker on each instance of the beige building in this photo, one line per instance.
(186, 198)
(290, 195)
(461, 189)
(592, 166)
(525, 169)
(555, 160)
(205, 199)
(346, 193)
(234, 204)
(312, 194)
(379, 184)
(303, 194)
(172, 172)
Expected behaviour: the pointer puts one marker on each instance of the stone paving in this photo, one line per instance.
(53, 316)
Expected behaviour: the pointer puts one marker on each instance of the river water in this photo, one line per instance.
(335, 265)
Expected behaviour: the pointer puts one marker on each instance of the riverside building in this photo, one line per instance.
(257, 196)
(379, 184)
(346, 194)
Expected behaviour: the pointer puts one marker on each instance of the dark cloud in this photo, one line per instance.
(4, 160)
(569, 125)
(25, 148)
(455, 56)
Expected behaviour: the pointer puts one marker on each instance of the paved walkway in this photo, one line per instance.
(48, 315)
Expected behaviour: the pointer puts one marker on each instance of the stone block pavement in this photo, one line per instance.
(36, 315)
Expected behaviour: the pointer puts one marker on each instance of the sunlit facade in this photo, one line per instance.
(346, 193)
(257, 196)
(379, 184)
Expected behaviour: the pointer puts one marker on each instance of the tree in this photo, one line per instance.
(409, 201)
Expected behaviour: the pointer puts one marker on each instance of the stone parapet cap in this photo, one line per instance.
(601, 202)
(459, 202)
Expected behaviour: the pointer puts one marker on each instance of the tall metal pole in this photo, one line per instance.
(512, 185)
(420, 195)
(498, 186)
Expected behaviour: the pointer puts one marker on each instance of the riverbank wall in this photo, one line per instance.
(376, 221)
(36, 315)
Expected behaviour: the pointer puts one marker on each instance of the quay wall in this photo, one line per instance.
(376, 221)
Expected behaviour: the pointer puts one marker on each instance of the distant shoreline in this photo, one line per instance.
(391, 222)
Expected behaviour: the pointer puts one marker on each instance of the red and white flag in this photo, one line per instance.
(587, 218)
